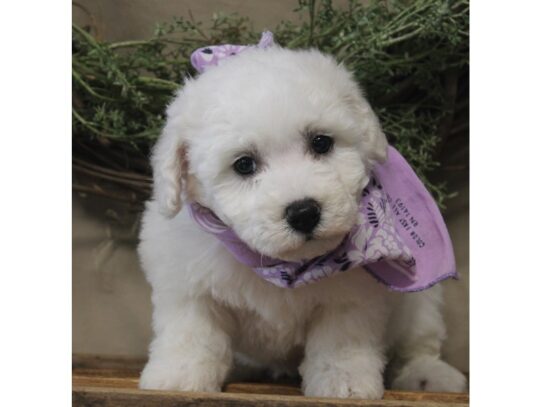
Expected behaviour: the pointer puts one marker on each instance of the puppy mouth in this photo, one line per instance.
(311, 237)
(312, 246)
(323, 235)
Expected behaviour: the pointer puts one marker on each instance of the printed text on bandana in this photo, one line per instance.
(407, 220)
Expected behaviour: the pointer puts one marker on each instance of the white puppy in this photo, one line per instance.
(239, 140)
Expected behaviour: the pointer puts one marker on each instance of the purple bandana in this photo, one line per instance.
(399, 237)
(204, 57)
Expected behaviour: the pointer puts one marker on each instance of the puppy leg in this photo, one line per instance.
(418, 349)
(191, 350)
(343, 357)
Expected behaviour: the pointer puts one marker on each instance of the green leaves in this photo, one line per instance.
(400, 51)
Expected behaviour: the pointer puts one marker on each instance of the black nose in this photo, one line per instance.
(303, 215)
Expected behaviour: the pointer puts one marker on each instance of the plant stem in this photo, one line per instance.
(402, 38)
(127, 44)
(87, 87)
(162, 83)
(312, 6)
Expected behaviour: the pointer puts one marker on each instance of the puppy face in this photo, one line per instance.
(278, 143)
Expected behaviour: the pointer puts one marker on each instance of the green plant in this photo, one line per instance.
(411, 57)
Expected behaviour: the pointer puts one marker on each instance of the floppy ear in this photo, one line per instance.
(170, 165)
(373, 140)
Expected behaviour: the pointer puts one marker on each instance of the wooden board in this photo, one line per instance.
(99, 381)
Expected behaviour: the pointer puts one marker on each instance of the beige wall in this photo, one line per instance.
(111, 299)
(120, 20)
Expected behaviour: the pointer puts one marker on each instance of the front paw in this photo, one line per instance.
(429, 373)
(343, 380)
(197, 377)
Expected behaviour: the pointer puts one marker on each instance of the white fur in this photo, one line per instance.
(212, 313)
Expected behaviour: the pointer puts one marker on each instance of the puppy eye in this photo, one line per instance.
(245, 166)
(321, 144)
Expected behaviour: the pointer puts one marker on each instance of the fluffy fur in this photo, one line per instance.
(213, 317)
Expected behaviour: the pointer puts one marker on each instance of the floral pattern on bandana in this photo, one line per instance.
(375, 237)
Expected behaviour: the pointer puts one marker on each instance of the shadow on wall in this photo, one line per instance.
(111, 299)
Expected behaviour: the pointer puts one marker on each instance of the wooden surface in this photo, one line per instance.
(101, 381)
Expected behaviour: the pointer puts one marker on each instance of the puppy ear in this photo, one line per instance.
(374, 144)
(170, 166)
